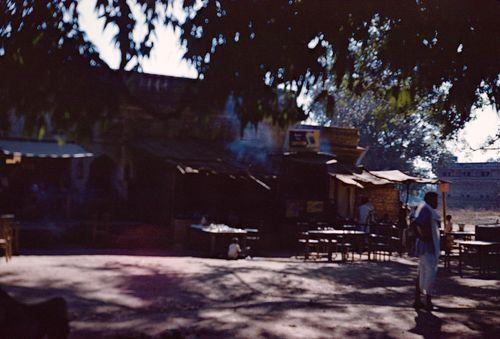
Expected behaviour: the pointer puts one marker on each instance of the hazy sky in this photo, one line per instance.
(166, 59)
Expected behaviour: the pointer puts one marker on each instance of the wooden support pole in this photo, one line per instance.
(443, 195)
(444, 187)
(407, 193)
(349, 202)
(172, 197)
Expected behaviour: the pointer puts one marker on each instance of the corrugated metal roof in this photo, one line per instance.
(196, 156)
(312, 158)
(347, 179)
(400, 177)
(42, 149)
(199, 155)
(367, 177)
(380, 178)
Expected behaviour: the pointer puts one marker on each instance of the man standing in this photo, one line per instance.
(426, 248)
(402, 216)
(365, 214)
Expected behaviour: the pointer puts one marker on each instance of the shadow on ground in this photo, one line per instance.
(131, 297)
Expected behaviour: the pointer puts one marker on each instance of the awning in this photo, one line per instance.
(193, 157)
(311, 158)
(400, 177)
(42, 149)
(369, 178)
(347, 179)
(380, 178)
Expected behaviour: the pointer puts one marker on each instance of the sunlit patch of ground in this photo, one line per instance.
(110, 295)
(474, 216)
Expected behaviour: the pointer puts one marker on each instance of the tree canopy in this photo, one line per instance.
(51, 74)
(443, 51)
(47, 66)
(268, 53)
(392, 140)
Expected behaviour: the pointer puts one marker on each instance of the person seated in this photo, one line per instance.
(448, 238)
(234, 252)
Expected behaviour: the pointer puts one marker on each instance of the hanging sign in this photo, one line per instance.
(303, 140)
(444, 187)
(315, 206)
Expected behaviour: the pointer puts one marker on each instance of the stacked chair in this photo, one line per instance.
(325, 245)
(306, 244)
(383, 240)
(345, 243)
(490, 233)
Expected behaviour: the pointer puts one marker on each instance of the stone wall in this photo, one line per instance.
(473, 185)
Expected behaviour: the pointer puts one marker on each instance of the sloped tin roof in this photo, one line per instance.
(196, 156)
(42, 149)
(380, 178)
(400, 177)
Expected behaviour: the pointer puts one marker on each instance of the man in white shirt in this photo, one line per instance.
(427, 248)
(234, 250)
(365, 213)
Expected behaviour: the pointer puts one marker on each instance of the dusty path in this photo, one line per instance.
(131, 295)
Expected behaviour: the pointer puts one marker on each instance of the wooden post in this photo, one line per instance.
(407, 193)
(336, 197)
(349, 202)
(443, 195)
(444, 187)
(172, 197)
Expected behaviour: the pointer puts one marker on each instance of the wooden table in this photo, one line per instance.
(333, 235)
(483, 248)
(215, 234)
(350, 227)
(467, 235)
(335, 232)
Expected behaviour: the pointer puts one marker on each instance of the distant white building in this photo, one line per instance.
(474, 185)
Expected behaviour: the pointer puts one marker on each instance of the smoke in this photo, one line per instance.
(253, 146)
(258, 145)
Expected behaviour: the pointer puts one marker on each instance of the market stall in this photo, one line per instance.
(214, 239)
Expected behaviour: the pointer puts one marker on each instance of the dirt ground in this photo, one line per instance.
(136, 295)
(474, 216)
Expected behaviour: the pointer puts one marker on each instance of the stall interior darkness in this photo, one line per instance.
(36, 188)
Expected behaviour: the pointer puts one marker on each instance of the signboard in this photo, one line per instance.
(314, 206)
(343, 137)
(16, 158)
(303, 140)
(444, 187)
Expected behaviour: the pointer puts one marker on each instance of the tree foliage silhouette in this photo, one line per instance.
(266, 53)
